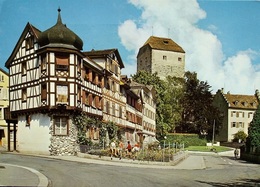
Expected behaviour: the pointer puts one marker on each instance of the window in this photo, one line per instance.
(97, 102)
(44, 92)
(24, 68)
(1, 111)
(113, 109)
(24, 95)
(4, 93)
(43, 61)
(62, 61)
(86, 98)
(28, 120)
(61, 125)
(29, 43)
(179, 59)
(79, 93)
(93, 133)
(120, 112)
(78, 64)
(233, 124)
(107, 107)
(2, 78)
(62, 94)
(164, 57)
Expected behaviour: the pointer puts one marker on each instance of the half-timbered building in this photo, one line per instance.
(50, 81)
(140, 111)
(146, 124)
(114, 102)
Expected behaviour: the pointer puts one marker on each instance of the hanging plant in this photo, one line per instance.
(82, 123)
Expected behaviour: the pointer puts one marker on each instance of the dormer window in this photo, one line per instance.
(166, 42)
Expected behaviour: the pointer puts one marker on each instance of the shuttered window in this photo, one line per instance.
(62, 61)
(44, 91)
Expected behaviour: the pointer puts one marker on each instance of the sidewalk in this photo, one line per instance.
(14, 175)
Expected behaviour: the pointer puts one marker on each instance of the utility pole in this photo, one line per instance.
(213, 133)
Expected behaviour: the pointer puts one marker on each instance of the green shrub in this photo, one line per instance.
(240, 135)
(187, 139)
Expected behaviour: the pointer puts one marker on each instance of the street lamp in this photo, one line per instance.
(164, 146)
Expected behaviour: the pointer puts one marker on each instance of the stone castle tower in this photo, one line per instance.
(161, 55)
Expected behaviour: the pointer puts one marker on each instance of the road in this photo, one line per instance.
(220, 171)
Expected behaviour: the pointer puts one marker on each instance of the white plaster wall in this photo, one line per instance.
(246, 120)
(34, 138)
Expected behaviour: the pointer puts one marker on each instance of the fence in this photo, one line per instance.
(165, 152)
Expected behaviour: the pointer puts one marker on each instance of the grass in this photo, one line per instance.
(207, 149)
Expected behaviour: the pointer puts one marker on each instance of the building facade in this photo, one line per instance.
(52, 81)
(238, 112)
(161, 55)
(147, 95)
(4, 102)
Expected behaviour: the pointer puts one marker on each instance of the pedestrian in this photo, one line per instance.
(113, 148)
(236, 153)
(120, 149)
(129, 149)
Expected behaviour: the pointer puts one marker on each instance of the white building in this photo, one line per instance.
(238, 112)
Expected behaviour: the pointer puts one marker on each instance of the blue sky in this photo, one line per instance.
(221, 38)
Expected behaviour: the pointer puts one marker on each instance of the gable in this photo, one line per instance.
(19, 49)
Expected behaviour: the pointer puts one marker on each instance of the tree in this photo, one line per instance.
(143, 77)
(199, 114)
(253, 139)
(240, 135)
(172, 108)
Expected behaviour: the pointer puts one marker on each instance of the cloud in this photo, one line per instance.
(204, 54)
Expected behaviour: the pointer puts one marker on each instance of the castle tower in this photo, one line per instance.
(161, 55)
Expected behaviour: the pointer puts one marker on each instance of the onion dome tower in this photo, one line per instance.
(60, 36)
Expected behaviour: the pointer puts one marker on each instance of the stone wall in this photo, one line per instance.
(163, 62)
(64, 145)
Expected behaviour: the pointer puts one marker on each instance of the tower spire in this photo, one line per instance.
(59, 21)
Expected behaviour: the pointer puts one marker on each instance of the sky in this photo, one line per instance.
(221, 38)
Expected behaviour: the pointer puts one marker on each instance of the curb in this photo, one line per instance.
(43, 180)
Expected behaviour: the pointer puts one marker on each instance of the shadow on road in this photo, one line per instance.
(238, 183)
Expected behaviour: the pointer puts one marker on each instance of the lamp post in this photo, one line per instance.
(164, 146)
